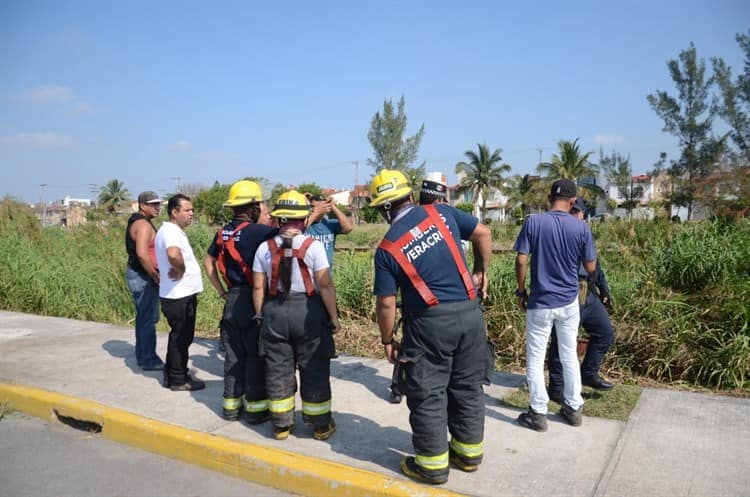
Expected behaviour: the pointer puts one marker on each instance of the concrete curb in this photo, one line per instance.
(263, 465)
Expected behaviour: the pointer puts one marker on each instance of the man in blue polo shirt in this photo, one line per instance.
(444, 358)
(326, 222)
(557, 243)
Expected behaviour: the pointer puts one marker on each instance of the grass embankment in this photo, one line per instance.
(681, 292)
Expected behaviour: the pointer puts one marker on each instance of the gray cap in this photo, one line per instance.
(148, 198)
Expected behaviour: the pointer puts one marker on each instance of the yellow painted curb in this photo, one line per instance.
(264, 465)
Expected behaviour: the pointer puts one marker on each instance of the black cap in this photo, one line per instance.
(148, 198)
(563, 188)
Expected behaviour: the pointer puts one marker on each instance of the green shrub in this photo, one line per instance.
(698, 256)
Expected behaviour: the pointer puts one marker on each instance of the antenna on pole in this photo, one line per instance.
(179, 186)
(94, 188)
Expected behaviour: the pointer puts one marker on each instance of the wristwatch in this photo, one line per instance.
(521, 293)
(388, 342)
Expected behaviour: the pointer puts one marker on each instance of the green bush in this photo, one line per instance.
(698, 256)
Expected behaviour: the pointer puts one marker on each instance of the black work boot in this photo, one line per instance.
(230, 414)
(411, 469)
(533, 420)
(460, 462)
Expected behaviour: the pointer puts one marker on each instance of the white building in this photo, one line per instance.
(68, 201)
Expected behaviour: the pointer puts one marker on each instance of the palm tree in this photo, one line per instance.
(112, 195)
(572, 164)
(481, 173)
(524, 192)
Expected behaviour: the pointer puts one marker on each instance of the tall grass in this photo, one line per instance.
(680, 292)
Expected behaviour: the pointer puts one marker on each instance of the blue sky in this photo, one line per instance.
(147, 92)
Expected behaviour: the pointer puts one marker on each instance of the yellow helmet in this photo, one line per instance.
(244, 192)
(387, 186)
(291, 205)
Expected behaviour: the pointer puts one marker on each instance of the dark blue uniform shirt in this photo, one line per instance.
(246, 242)
(430, 255)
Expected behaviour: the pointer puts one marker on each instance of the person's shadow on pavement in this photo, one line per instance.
(367, 376)
(384, 446)
(124, 350)
(213, 361)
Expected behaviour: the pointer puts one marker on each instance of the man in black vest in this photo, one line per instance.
(142, 277)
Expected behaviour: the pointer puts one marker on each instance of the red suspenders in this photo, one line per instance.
(299, 254)
(229, 247)
(394, 248)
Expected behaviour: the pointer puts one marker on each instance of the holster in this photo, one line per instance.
(583, 291)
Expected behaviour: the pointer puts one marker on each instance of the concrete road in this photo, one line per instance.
(42, 459)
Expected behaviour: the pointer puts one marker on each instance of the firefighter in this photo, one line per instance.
(231, 256)
(295, 301)
(444, 358)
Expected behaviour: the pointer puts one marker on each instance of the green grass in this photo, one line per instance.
(5, 410)
(613, 404)
(680, 291)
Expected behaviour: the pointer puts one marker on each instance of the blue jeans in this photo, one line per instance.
(539, 323)
(146, 298)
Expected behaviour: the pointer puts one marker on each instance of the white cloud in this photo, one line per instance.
(83, 108)
(38, 140)
(181, 146)
(47, 94)
(609, 139)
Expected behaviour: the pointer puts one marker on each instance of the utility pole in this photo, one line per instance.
(179, 186)
(539, 149)
(42, 206)
(94, 189)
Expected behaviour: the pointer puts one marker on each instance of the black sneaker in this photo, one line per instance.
(395, 397)
(572, 416)
(189, 386)
(409, 468)
(533, 420)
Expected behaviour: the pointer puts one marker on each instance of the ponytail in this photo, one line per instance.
(285, 265)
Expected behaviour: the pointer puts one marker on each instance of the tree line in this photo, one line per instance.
(711, 169)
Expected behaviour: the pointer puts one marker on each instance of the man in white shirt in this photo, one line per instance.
(179, 285)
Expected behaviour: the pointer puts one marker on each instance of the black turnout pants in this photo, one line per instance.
(443, 363)
(244, 369)
(296, 333)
